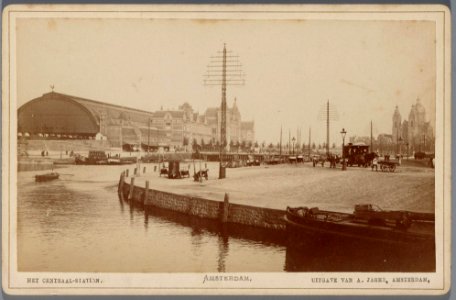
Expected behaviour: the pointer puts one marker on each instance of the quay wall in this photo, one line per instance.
(63, 145)
(223, 211)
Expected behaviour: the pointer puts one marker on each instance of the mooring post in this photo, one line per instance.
(226, 207)
(132, 187)
(146, 192)
(127, 173)
(120, 187)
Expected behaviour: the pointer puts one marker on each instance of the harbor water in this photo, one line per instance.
(78, 224)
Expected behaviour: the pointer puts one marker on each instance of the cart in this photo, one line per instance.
(386, 166)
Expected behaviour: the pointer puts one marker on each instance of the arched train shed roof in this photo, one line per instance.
(64, 114)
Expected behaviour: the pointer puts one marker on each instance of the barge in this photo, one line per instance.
(366, 224)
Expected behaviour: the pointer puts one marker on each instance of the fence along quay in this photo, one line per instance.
(224, 211)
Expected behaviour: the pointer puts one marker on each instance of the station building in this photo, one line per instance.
(60, 116)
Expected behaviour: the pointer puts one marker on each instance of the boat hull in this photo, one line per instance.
(46, 177)
(421, 233)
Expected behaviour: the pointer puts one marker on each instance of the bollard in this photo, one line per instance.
(146, 192)
(155, 168)
(132, 187)
(226, 207)
(126, 175)
(144, 170)
(135, 171)
(120, 188)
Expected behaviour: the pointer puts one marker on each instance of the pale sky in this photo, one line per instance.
(364, 68)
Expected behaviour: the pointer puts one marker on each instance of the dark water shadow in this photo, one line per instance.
(305, 254)
(347, 255)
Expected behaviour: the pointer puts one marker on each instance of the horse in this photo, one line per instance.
(369, 157)
(333, 160)
(201, 174)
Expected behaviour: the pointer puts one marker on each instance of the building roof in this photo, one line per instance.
(173, 113)
(90, 103)
(249, 125)
(212, 111)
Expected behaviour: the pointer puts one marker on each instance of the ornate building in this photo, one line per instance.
(415, 132)
(60, 116)
(236, 130)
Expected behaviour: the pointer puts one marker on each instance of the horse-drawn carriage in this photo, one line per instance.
(174, 170)
(387, 165)
(358, 154)
(198, 176)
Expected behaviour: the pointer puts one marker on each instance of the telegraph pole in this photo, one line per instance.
(224, 69)
(328, 113)
(280, 149)
(327, 128)
(372, 145)
(310, 135)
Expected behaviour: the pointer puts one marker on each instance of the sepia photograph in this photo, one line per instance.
(226, 149)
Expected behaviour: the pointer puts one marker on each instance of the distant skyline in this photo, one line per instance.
(364, 68)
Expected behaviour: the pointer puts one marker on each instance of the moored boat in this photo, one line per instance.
(100, 158)
(47, 177)
(366, 223)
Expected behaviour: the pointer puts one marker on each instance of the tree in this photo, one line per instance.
(319, 146)
(203, 144)
(263, 144)
(313, 146)
(256, 144)
(195, 144)
(243, 144)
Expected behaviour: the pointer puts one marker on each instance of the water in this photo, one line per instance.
(78, 224)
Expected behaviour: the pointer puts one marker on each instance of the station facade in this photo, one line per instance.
(60, 116)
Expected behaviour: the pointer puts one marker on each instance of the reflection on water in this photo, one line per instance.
(78, 224)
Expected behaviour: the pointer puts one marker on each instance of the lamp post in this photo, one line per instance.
(407, 144)
(343, 133)
(148, 137)
(400, 146)
(293, 140)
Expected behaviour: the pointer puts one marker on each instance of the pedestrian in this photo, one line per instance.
(375, 164)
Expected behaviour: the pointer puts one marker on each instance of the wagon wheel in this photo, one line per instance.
(392, 168)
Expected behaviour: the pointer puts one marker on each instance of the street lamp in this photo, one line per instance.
(400, 144)
(293, 140)
(407, 144)
(343, 133)
(148, 136)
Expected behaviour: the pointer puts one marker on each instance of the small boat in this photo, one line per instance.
(47, 177)
(367, 223)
